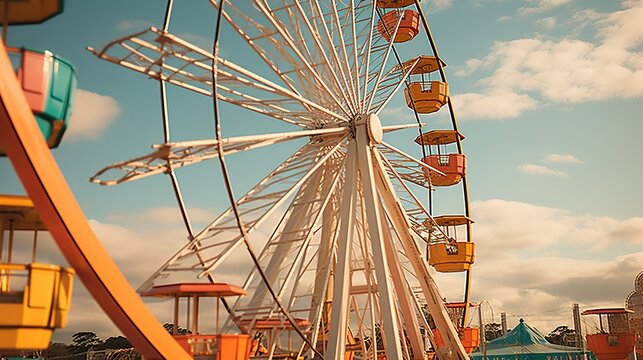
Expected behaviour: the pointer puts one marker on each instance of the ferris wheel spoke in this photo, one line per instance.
(276, 36)
(285, 32)
(384, 60)
(180, 154)
(297, 22)
(421, 221)
(166, 57)
(329, 67)
(376, 58)
(220, 237)
(261, 39)
(306, 31)
(284, 256)
(390, 85)
(405, 298)
(217, 240)
(406, 168)
(333, 29)
(422, 165)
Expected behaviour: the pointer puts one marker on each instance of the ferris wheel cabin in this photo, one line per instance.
(34, 297)
(48, 82)
(469, 336)
(30, 11)
(449, 254)
(615, 340)
(199, 345)
(423, 94)
(442, 158)
(409, 25)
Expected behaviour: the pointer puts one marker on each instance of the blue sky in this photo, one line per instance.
(547, 92)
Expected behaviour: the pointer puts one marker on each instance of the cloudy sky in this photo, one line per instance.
(547, 92)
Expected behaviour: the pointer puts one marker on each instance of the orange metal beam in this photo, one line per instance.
(59, 210)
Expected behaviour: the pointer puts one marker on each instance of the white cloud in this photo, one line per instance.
(499, 104)
(162, 216)
(437, 5)
(548, 23)
(198, 40)
(538, 227)
(561, 158)
(542, 6)
(397, 115)
(129, 25)
(91, 115)
(524, 265)
(533, 169)
(567, 70)
(469, 67)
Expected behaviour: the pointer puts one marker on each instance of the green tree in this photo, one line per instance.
(56, 350)
(492, 331)
(181, 331)
(563, 335)
(86, 339)
(115, 342)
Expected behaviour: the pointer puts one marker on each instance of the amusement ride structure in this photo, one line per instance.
(344, 271)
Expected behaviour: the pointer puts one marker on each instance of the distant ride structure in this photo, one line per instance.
(615, 340)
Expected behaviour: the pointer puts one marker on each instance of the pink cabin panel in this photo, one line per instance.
(454, 166)
(34, 75)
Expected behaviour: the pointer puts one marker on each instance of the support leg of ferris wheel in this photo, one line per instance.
(380, 260)
(288, 234)
(342, 281)
(405, 297)
(322, 290)
(453, 349)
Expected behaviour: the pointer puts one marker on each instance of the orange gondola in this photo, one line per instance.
(469, 336)
(614, 341)
(451, 167)
(409, 25)
(217, 345)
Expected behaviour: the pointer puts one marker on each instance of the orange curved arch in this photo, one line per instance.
(59, 210)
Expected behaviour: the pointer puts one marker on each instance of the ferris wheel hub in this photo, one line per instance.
(374, 127)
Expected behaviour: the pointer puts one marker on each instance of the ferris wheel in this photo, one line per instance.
(343, 267)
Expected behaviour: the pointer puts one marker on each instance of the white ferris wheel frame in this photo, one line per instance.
(335, 102)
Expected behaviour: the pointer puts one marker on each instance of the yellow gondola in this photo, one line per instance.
(424, 95)
(450, 255)
(34, 297)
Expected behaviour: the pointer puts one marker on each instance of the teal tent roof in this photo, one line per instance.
(526, 343)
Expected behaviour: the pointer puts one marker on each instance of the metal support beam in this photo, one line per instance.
(453, 349)
(340, 309)
(380, 260)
